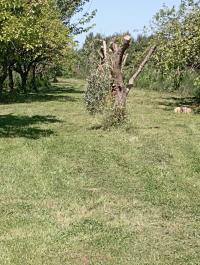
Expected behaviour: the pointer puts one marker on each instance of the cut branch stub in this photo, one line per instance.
(126, 45)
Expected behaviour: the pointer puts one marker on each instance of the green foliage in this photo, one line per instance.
(91, 45)
(32, 35)
(69, 9)
(197, 87)
(177, 35)
(136, 54)
(98, 87)
(37, 36)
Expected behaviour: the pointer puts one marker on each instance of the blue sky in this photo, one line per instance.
(124, 15)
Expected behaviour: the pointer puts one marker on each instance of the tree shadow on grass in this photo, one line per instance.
(12, 126)
(60, 92)
(34, 97)
(58, 89)
(172, 102)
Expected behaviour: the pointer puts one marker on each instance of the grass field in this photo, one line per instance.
(73, 194)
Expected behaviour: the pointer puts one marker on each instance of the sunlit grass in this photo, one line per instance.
(72, 194)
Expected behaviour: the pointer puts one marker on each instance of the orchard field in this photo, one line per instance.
(73, 193)
(99, 132)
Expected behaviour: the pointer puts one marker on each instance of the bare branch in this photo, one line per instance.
(124, 61)
(105, 49)
(141, 66)
(100, 54)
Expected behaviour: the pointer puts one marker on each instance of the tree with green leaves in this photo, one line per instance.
(177, 34)
(71, 8)
(33, 33)
(36, 32)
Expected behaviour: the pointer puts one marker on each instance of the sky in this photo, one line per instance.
(123, 15)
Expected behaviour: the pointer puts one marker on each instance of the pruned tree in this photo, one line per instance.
(113, 58)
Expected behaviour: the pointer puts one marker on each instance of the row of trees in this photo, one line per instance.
(36, 39)
(36, 36)
(176, 34)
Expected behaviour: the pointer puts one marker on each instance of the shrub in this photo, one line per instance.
(98, 86)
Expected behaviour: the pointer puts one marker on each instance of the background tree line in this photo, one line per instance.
(175, 64)
(37, 44)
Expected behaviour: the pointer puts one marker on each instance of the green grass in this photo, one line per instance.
(71, 194)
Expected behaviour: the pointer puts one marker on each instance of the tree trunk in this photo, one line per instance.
(23, 71)
(115, 56)
(11, 81)
(55, 80)
(34, 78)
(24, 77)
(119, 90)
(2, 79)
(1, 87)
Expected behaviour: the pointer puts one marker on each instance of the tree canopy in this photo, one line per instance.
(177, 34)
(35, 33)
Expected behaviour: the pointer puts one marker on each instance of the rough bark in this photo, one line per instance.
(119, 90)
(23, 71)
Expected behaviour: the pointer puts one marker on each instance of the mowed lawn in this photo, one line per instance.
(71, 193)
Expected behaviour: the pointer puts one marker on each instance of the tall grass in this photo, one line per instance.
(154, 80)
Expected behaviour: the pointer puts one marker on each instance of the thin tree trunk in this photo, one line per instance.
(124, 61)
(2, 79)
(11, 81)
(55, 80)
(23, 71)
(1, 87)
(24, 77)
(34, 78)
